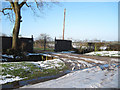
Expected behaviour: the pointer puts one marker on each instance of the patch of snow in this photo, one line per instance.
(84, 47)
(63, 52)
(49, 64)
(3, 59)
(3, 77)
(46, 55)
(79, 62)
(93, 60)
(56, 56)
(8, 78)
(83, 62)
(103, 48)
(51, 45)
(113, 59)
(105, 53)
(38, 54)
(7, 56)
(75, 46)
(34, 54)
(67, 51)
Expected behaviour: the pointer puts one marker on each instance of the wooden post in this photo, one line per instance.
(46, 57)
(31, 36)
(64, 23)
(42, 58)
(95, 47)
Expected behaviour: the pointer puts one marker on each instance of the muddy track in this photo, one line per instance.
(78, 61)
(81, 57)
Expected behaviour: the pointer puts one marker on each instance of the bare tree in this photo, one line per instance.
(43, 40)
(13, 12)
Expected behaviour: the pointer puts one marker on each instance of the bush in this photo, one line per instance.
(16, 53)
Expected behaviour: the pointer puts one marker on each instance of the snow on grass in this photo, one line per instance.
(55, 63)
(5, 57)
(105, 53)
(14, 71)
(9, 78)
(93, 77)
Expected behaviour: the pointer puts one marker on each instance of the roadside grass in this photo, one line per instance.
(29, 70)
(98, 54)
(19, 69)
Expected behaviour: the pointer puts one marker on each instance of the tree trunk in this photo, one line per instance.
(16, 28)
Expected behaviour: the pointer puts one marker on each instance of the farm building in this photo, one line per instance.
(62, 45)
(114, 46)
(25, 44)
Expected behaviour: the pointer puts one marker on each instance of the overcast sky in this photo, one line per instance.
(84, 20)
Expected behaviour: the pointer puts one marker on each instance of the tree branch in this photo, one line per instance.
(22, 3)
(28, 5)
(3, 10)
(39, 4)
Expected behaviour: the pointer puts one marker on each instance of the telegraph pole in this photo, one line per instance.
(64, 23)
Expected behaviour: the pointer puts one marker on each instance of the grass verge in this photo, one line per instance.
(28, 71)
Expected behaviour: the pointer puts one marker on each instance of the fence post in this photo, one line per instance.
(42, 58)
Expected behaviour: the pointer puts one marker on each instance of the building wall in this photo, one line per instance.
(63, 45)
(6, 43)
(25, 44)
